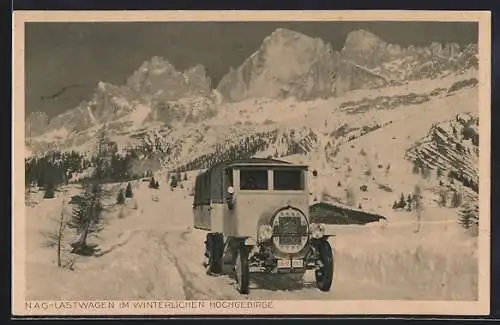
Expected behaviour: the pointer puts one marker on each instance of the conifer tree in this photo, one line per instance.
(426, 172)
(409, 201)
(415, 169)
(152, 182)
(50, 191)
(443, 198)
(468, 215)
(128, 191)
(402, 202)
(456, 199)
(439, 172)
(121, 197)
(173, 182)
(86, 217)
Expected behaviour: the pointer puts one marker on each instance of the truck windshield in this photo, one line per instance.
(253, 179)
(291, 180)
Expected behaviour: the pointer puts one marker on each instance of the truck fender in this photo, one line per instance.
(249, 241)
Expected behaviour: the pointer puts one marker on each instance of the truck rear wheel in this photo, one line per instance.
(324, 274)
(215, 250)
(242, 270)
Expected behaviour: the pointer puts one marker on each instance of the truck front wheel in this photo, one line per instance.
(242, 269)
(215, 250)
(324, 273)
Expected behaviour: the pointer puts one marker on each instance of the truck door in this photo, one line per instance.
(228, 214)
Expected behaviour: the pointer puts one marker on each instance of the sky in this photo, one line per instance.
(58, 55)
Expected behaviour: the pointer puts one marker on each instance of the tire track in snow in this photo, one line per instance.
(196, 283)
(123, 240)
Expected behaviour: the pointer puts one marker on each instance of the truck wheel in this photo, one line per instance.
(241, 270)
(215, 247)
(324, 275)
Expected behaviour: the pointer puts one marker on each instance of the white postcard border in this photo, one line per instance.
(480, 307)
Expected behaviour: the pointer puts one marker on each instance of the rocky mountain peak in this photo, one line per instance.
(364, 47)
(159, 77)
(281, 35)
(287, 63)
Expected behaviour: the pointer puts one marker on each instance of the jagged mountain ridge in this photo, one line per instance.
(155, 83)
(292, 64)
(157, 97)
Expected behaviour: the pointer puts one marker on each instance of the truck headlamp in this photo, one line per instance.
(317, 230)
(265, 232)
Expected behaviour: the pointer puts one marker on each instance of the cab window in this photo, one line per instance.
(253, 179)
(288, 180)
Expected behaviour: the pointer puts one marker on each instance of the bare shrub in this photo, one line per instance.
(417, 202)
(70, 264)
(53, 239)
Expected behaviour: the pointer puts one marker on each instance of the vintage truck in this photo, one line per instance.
(256, 212)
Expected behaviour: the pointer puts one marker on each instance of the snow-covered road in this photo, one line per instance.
(152, 252)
